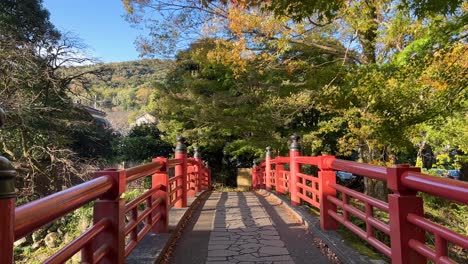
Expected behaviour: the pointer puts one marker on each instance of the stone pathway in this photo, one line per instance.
(242, 228)
(243, 232)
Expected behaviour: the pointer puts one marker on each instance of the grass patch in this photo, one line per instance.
(220, 188)
(357, 243)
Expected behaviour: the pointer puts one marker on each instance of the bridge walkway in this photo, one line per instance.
(244, 227)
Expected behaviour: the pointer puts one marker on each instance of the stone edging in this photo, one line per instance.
(166, 252)
(329, 242)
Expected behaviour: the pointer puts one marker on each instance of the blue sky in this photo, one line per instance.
(99, 23)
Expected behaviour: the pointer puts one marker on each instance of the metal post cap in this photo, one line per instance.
(7, 179)
(196, 153)
(268, 152)
(181, 147)
(295, 145)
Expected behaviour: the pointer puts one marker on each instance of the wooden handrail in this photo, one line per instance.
(445, 188)
(35, 214)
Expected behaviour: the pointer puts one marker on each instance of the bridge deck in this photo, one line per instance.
(243, 227)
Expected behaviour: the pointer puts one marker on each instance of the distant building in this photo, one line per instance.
(145, 118)
(98, 115)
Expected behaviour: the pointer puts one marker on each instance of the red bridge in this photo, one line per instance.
(119, 227)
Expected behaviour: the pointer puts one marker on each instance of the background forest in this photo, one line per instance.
(375, 81)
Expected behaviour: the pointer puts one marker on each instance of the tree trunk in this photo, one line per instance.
(374, 188)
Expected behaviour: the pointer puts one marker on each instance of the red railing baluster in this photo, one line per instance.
(7, 210)
(199, 170)
(279, 178)
(326, 178)
(441, 248)
(345, 199)
(255, 177)
(402, 202)
(268, 168)
(111, 206)
(161, 178)
(191, 180)
(294, 167)
(181, 169)
(369, 215)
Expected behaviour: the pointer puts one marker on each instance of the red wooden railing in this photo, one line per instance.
(117, 227)
(406, 226)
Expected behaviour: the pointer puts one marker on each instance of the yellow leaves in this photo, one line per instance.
(243, 21)
(233, 54)
(446, 68)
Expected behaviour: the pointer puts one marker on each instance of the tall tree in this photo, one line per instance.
(42, 124)
(387, 57)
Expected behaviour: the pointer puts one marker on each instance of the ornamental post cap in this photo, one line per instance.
(181, 147)
(196, 153)
(7, 179)
(268, 151)
(295, 145)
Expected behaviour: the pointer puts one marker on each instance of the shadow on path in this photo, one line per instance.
(296, 236)
(192, 246)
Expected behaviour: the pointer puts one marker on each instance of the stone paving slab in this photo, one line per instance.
(244, 232)
(242, 227)
(333, 241)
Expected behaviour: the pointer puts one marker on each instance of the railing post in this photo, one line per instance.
(279, 180)
(268, 168)
(161, 177)
(7, 209)
(262, 175)
(326, 176)
(191, 180)
(254, 175)
(181, 153)
(111, 206)
(199, 168)
(402, 202)
(294, 151)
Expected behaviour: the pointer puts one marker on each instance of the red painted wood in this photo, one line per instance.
(78, 244)
(199, 177)
(110, 206)
(294, 169)
(282, 160)
(191, 181)
(7, 223)
(161, 178)
(367, 170)
(446, 188)
(308, 160)
(327, 178)
(33, 215)
(268, 182)
(254, 178)
(115, 234)
(138, 172)
(181, 169)
(279, 186)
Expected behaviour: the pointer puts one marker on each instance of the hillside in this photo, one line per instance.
(122, 89)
